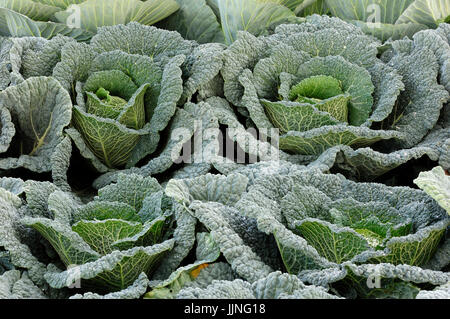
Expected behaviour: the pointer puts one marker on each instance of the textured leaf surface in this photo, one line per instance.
(130, 189)
(101, 235)
(220, 289)
(7, 130)
(14, 285)
(241, 257)
(135, 291)
(135, 38)
(208, 188)
(442, 292)
(69, 245)
(278, 285)
(316, 141)
(184, 236)
(34, 56)
(335, 245)
(19, 253)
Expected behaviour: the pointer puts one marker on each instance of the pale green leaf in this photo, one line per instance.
(69, 245)
(100, 235)
(337, 245)
(426, 12)
(130, 189)
(91, 14)
(17, 25)
(436, 183)
(195, 20)
(115, 271)
(35, 10)
(250, 15)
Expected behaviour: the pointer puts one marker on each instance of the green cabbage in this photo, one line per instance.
(108, 243)
(323, 85)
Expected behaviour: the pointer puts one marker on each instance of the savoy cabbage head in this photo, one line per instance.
(113, 97)
(108, 243)
(324, 86)
(331, 230)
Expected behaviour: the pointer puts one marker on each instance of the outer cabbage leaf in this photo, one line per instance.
(184, 236)
(437, 184)
(14, 285)
(391, 19)
(219, 289)
(5, 68)
(253, 16)
(243, 259)
(135, 291)
(78, 19)
(219, 20)
(278, 285)
(115, 271)
(427, 12)
(394, 281)
(195, 20)
(8, 130)
(15, 24)
(19, 254)
(441, 292)
(34, 56)
(97, 13)
(35, 10)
